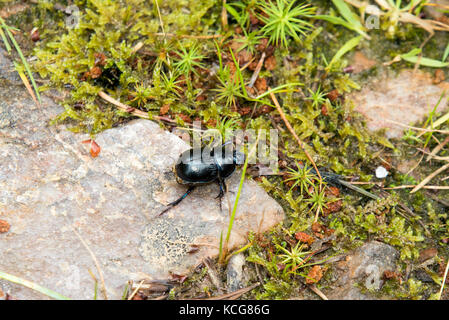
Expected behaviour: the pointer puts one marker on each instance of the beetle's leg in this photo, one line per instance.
(223, 189)
(174, 203)
(220, 195)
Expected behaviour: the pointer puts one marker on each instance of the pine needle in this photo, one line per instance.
(22, 58)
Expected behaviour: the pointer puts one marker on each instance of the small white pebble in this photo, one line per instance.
(381, 172)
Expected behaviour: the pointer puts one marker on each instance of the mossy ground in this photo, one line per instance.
(182, 72)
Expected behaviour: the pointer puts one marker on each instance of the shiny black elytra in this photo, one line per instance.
(206, 165)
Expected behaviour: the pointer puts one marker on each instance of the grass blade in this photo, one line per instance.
(336, 20)
(25, 81)
(443, 282)
(220, 249)
(5, 40)
(239, 73)
(242, 178)
(348, 46)
(446, 53)
(350, 21)
(277, 89)
(426, 62)
(413, 57)
(348, 14)
(31, 285)
(24, 61)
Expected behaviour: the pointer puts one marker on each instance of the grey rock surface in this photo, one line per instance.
(363, 268)
(407, 98)
(436, 12)
(51, 187)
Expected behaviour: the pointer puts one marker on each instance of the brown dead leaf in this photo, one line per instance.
(304, 237)
(4, 226)
(438, 76)
(324, 110)
(178, 277)
(315, 275)
(332, 207)
(264, 109)
(317, 227)
(333, 95)
(164, 109)
(184, 117)
(362, 63)
(244, 57)
(94, 148)
(321, 230)
(253, 65)
(427, 254)
(243, 111)
(253, 18)
(263, 44)
(333, 191)
(261, 85)
(95, 72)
(100, 59)
(270, 63)
(388, 274)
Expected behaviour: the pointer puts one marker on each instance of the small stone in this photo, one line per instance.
(364, 267)
(404, 98)
(381, 172)
(51, 186)
(422, 275)
(234, 273)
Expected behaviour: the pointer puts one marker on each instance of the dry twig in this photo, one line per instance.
(430, 177)
(290, 128)
(131, 110)
(97, 264)
(236, 294)
(135, 290)
(256, 72)
(317, 291)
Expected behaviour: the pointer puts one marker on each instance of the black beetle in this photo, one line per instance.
(205, 165)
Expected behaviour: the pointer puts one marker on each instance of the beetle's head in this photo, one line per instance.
(239, 158)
